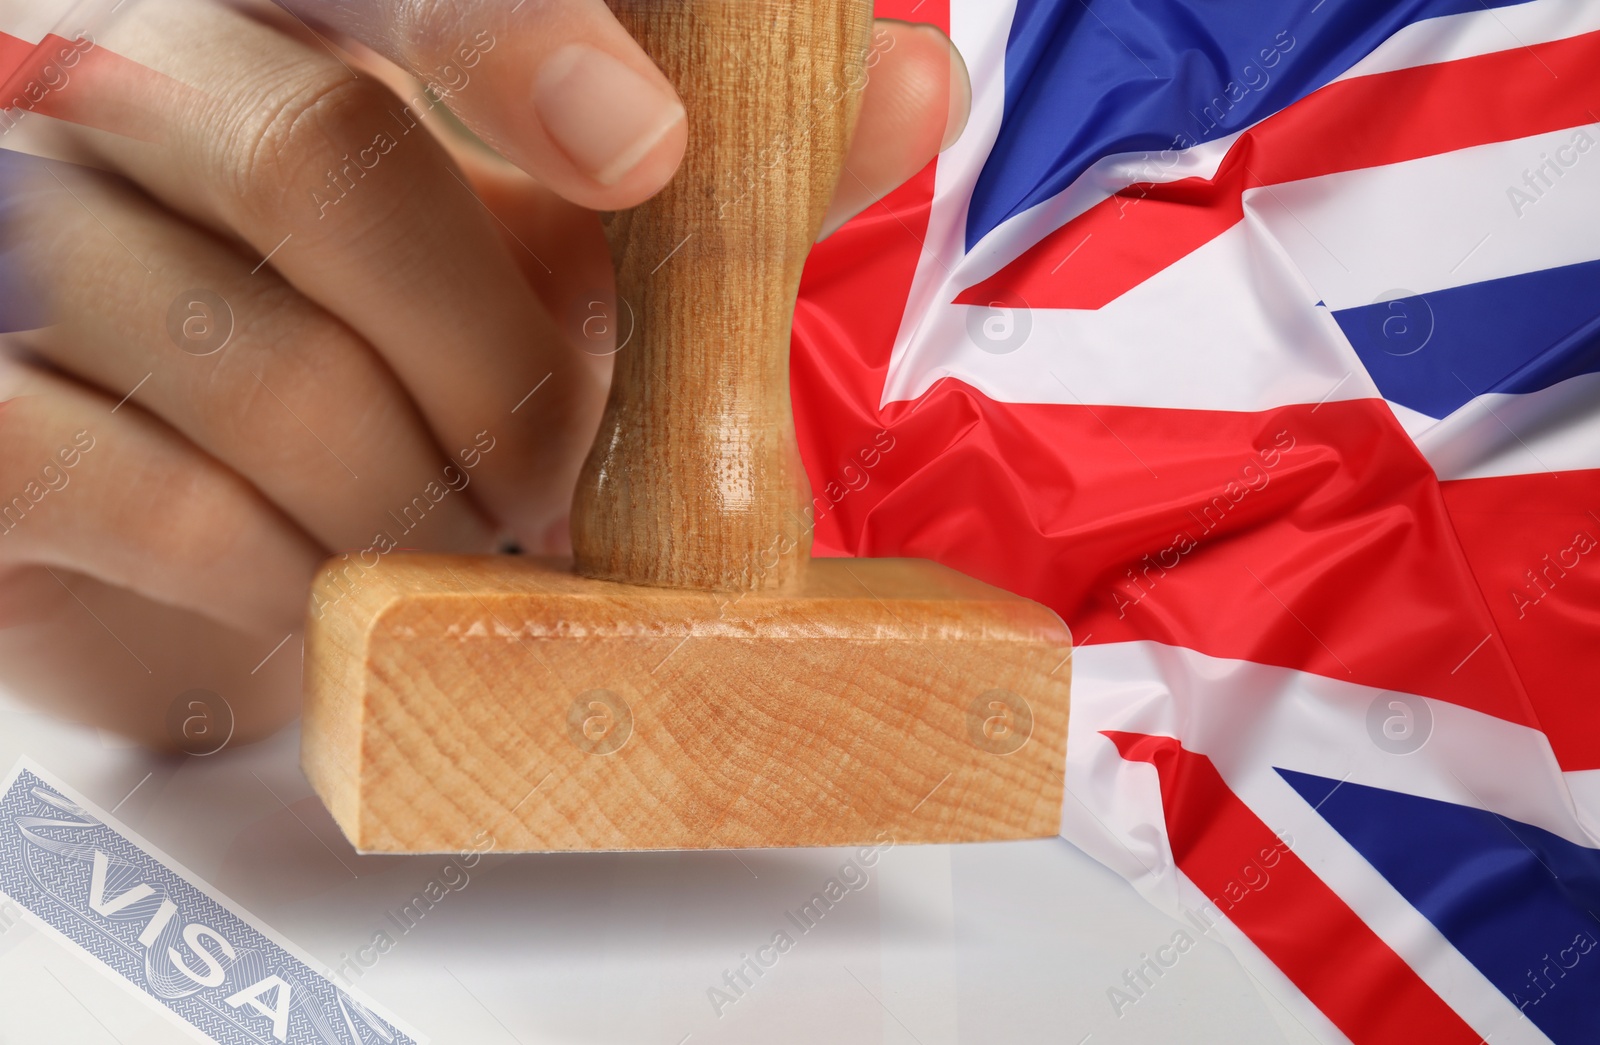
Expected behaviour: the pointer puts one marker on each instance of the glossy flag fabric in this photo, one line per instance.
(1261, 341)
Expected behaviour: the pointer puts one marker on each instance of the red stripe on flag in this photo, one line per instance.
(1301, 925)
(1533, 543)
(15, 52)
(1307, 537)
(33, 76)
(84, 83)
(1368, 121)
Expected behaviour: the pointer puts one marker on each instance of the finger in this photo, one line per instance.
(251, 372)
(341, 186)
(917, 100)
(76, 647)
(108, 491)
(558, 87)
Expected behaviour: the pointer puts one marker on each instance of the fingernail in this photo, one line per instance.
(604, 115)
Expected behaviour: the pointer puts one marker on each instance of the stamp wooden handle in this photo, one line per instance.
(694, 480)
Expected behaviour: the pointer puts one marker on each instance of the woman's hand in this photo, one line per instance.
(297, 311)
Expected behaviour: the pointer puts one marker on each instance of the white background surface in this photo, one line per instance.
(992, 943)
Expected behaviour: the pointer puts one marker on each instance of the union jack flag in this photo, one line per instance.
(1261, 340)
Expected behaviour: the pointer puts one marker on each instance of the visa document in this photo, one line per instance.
(73, 878)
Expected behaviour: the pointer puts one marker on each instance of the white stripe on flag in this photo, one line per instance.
(1473, 33)
(1462, 217)
(1555, 429)
(1230, 327)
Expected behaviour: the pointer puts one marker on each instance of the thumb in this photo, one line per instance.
(557, 87)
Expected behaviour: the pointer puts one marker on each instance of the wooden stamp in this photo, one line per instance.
(694, 679)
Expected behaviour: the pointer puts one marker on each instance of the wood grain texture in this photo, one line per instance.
(881, 698)
(695, 472)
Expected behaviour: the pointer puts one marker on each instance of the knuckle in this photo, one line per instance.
(300, 378)
(209, 520)
(195, 522)
(249, 391)
(301, 137)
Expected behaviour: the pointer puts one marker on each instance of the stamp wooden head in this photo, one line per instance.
(694, 680)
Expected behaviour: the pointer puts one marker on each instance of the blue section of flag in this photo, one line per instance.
(1434, 352)
(1093, 78)
(1517, 901)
